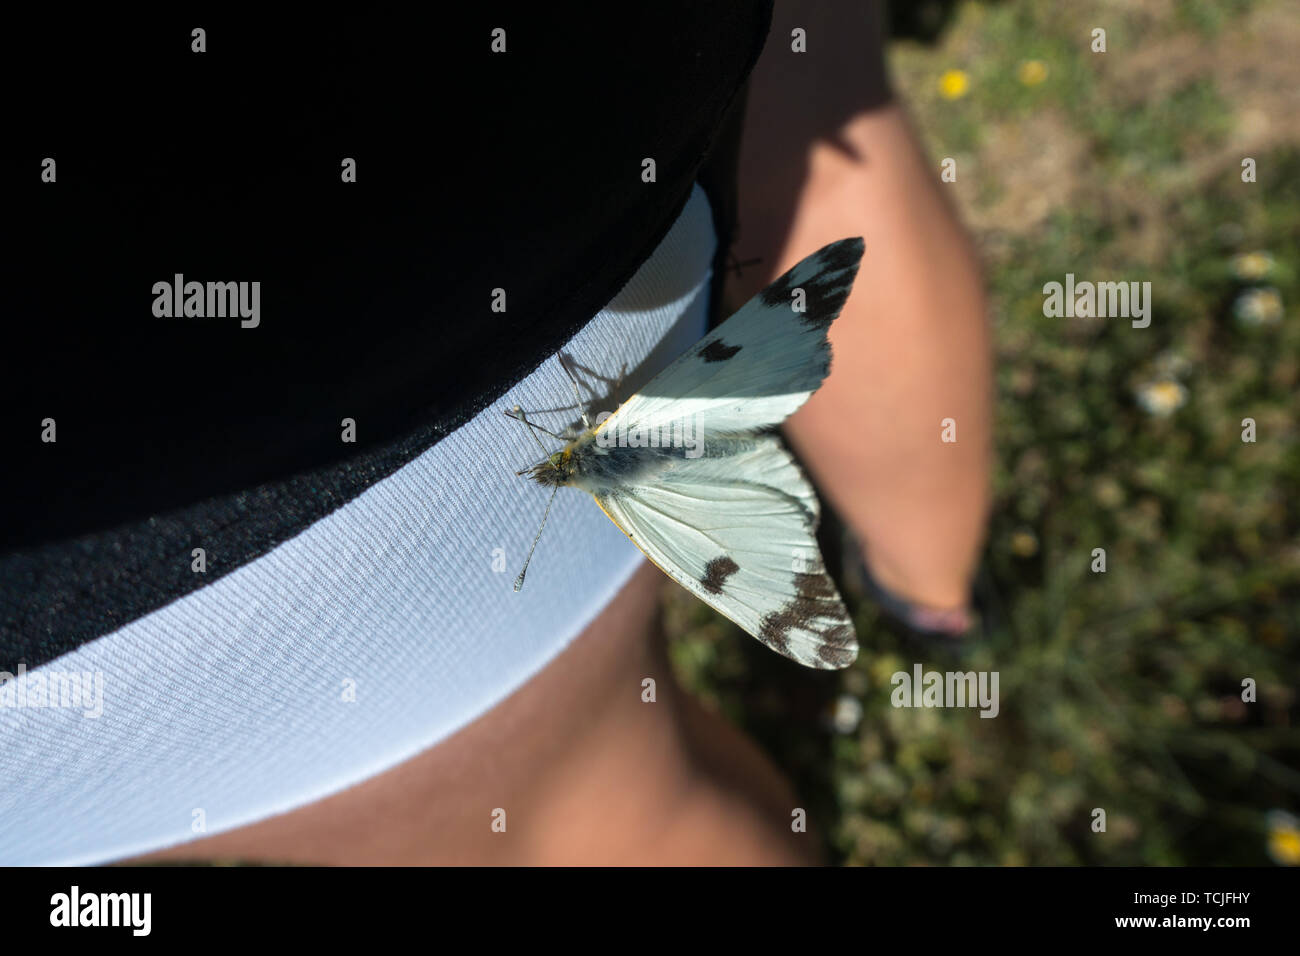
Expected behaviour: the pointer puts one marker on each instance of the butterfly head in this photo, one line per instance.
(556, 469)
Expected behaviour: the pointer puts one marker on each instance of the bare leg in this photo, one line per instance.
(913, 345)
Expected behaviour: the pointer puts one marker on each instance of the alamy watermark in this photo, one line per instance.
(208, 300)
(684, 433)
(130, 910)
(1099, 300)
(946, 689)
(51, 688)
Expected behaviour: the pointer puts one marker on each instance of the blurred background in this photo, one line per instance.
(1119, 690)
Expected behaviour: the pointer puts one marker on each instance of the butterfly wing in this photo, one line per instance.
(736, 528)
(756, 368)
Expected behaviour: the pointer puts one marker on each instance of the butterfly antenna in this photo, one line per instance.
(519, 581)
(576, 393)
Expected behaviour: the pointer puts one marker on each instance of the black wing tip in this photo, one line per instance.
(842, 255)
(852, 247)
(832, 657)
(827, 277)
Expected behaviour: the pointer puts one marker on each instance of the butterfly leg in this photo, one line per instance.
(519, 415)
(576, 393)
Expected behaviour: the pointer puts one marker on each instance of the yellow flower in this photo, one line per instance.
(1258, 307)
(1252, 265)
(1024, 544)
(1283, 838)
(953, 85)
(1162, 398)
(1033, 72)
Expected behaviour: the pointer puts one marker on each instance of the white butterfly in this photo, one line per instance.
(689, 470)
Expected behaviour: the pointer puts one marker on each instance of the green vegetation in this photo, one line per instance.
(1119, 690)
